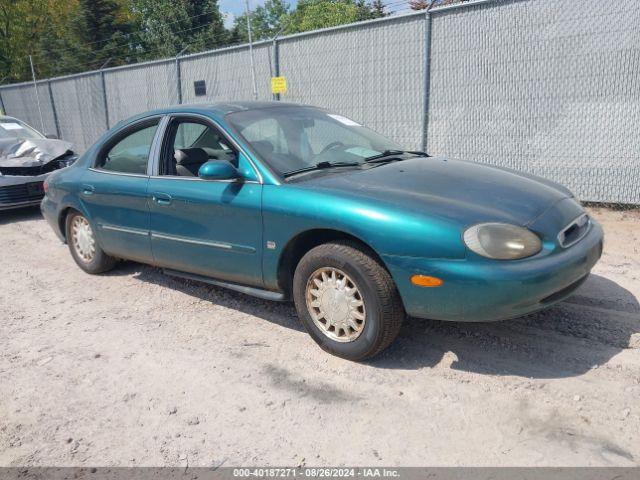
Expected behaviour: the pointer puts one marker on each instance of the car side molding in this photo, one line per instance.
(254, 292)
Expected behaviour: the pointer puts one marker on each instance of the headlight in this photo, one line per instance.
(502, 241)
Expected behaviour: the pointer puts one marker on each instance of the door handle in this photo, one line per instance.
(162, 198)
(88, 189)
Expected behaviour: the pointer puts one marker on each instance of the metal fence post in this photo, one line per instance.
(35, 87)
(2, 109)
(427, 79)
(251, 57)
(179, 80)
(104, 93)
(276, 62)
(104, 99)
(53, 109)
(179, 73)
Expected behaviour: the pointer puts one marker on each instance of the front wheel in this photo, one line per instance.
(83, 246)
(347, 301)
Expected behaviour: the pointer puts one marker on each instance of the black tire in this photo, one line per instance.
(100, 262)
(384, 311)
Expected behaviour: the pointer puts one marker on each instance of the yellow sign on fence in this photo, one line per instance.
(278, 85)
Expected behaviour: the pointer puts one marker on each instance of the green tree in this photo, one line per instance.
(168, 26)
(26, 27)
(266, 21)
(378, 9)
(100, 30)
(369, 11)
(70, 36)
(315, 14)
(19, 20)
(57, 46)
(208, 24)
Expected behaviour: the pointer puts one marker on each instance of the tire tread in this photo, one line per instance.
(392, 309)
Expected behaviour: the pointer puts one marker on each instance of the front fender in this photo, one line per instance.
(289, 210)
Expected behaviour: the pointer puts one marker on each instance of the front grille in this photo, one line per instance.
(30, 171)
(25, 192)
(574, 232)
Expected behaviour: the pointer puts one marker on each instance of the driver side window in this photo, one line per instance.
(190, 144)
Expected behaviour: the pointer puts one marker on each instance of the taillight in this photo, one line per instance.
(45, 186)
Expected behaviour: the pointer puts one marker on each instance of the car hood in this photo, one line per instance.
(15, 152)
(455, 190)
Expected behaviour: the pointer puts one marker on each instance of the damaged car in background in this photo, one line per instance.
(26, 159)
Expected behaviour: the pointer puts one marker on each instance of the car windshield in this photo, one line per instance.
(292, 138)
(13, 128)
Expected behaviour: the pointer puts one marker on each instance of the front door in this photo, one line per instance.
(207, 227)
(114, 193)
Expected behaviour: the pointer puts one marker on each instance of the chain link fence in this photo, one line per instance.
(543, 86)
(372, 72)
(80, 109)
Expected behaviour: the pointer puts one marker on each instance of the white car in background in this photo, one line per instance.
(26, 159)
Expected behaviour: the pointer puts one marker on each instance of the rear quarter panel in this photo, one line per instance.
(63, 194)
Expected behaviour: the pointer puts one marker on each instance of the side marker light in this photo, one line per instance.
(426, 281)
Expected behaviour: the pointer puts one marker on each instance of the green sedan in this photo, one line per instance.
(289, 202)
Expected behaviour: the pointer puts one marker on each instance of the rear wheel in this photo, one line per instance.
(83, 246)
(347, 301)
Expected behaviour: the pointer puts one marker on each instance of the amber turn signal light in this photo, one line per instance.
(426, 281)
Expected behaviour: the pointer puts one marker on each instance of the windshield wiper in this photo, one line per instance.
(321, 166)
(390, 155)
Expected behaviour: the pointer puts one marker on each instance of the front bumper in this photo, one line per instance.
(21, 191)
(477, 290)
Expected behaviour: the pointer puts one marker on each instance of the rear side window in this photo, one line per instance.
(131, 153)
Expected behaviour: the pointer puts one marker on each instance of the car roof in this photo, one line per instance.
(219, 109)
(224, 108)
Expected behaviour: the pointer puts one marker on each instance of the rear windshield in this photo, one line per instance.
(12, 128)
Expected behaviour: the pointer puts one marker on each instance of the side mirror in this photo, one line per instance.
(218, 170)
(51, 136)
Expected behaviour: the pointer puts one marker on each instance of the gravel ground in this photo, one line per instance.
(136, 368)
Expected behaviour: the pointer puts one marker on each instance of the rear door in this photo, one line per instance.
(207, 227)
(114, 192)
